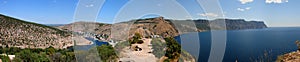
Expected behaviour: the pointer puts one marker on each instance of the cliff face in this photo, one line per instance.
(18, 33)
(231, 24)
(237, 24)
(166, 27)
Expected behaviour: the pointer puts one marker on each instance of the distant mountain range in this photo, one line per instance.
(163, 27)
(19, 33)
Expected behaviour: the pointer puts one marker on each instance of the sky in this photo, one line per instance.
(275, 13)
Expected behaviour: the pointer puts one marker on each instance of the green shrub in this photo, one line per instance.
(107, 53)
(4, 58)
(173, 48)
(158, 47)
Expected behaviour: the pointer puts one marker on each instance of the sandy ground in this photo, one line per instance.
(139, 56)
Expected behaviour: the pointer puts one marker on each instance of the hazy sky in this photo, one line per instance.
(275, 13)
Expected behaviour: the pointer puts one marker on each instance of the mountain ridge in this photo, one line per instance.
(169, 27)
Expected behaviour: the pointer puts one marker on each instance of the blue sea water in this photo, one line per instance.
(250, 45)
(87, 47)
(97, 42)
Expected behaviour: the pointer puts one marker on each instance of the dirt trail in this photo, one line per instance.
(139, 56)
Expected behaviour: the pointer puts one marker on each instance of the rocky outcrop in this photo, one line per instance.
(18, 33)
(154, 26)
(289, 57)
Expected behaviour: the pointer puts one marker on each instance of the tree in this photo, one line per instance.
(17, 59)
(107, 53)
(24, 55)
(28, 56)
(12, 50)
(137, 36)
(136, 39)
(4, 58)
(43, 57)
(173, 48)
(70, 57)
(37, 50)
(50, 50)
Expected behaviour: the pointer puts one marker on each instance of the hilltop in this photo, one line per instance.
(18, 33)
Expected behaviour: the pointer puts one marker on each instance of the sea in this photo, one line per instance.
(248, 45)
(88, 47)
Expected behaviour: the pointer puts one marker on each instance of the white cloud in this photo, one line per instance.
(240, 9)
(276, 1)
(243, 9)
(209, 14)
(245, 1)
(248, 8)
(90, 5)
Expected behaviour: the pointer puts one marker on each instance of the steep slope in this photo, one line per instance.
(18, 33)
(91, 27)
(154, 26)
(238, 24)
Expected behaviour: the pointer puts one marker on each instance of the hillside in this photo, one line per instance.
(82, 26)
(164, 27)
(19, 33)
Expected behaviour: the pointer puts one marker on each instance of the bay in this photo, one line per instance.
(249, 45)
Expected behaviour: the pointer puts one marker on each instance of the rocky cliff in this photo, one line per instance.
(231, 24)
(19, 33)
(238, 24)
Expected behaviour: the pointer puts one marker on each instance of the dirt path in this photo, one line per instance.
(139, 56)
